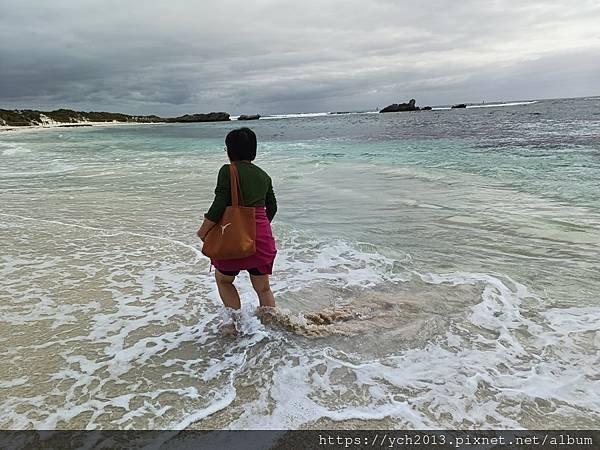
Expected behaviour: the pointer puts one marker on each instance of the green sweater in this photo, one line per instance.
(255, 185)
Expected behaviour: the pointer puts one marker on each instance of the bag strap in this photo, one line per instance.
(234, 184)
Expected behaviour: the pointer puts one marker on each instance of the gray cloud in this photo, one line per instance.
(281, 56)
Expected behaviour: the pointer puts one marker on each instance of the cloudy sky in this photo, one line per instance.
(277, 56)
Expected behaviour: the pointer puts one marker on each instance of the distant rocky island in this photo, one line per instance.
(207, 117)
(68, 117)
(399, 107)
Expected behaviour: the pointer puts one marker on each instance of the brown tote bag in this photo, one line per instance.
(234, 236)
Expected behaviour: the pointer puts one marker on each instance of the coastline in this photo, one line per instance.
(58, 125)
(43, 121)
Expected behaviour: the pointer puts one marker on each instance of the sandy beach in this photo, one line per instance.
(65, 126)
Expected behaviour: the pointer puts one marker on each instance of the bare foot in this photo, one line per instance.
(266, 314)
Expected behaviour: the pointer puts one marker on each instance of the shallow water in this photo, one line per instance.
(462, 245)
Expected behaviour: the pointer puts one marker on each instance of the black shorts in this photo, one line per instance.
(233, 273)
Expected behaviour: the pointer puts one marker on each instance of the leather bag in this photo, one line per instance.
(234, 236)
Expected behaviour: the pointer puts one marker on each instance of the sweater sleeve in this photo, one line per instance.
(271, 202)
(222, 195)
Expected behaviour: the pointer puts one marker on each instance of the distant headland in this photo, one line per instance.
(69, 118)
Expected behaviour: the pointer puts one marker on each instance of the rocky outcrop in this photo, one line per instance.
(460, 105)
(249, 117)
(210, 117)
(398, 107)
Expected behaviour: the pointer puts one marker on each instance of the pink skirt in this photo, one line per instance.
(265, 249)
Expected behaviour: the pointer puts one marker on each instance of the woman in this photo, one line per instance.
(257, 190)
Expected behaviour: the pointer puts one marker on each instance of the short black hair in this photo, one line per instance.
(241, 144)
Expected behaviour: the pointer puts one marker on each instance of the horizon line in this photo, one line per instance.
(314, 112)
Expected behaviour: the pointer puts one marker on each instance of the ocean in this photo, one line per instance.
(463, 247)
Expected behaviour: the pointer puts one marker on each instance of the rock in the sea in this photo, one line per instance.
(426, 108)
(460, 105)
(210, 117)
(397, 107)
(249, 117)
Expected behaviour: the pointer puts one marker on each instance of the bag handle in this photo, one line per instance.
(234, 185)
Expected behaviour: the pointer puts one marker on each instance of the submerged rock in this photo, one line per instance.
(398, 107)
(249, 117)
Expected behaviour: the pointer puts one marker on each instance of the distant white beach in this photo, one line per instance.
(489, 105)
(55, 125)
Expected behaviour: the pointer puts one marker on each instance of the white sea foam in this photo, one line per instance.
(156, 331)
(489, 105)
(296, 115)
(13, 149)
(305, 260)
(493, 105)
(12, 383)
(467, 377)
(316, 114)
(54, 169)
(464, 379)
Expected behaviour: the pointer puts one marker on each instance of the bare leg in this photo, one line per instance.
(260, 283)
(227, 290)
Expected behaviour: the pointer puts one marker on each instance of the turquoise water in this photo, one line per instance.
(465, 243)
